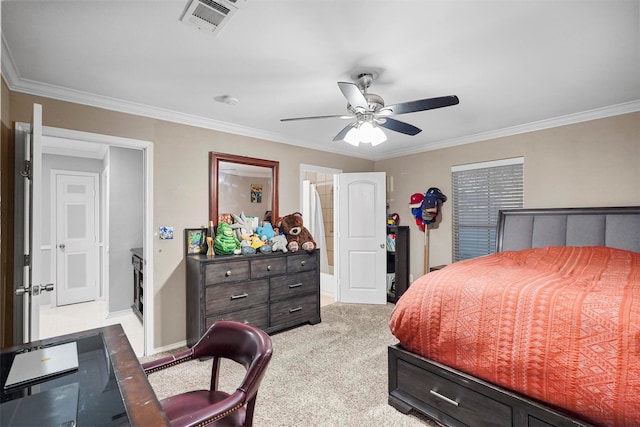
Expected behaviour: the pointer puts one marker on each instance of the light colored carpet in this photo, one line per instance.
(330, 374)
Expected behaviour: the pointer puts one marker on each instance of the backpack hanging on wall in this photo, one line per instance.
(430, 206)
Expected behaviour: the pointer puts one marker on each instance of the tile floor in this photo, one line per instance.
(88, 315)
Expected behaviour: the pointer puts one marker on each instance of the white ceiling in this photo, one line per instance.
(516, 65)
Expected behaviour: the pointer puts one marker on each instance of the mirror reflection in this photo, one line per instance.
(244, 188)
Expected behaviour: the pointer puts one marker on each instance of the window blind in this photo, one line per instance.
(479, 192)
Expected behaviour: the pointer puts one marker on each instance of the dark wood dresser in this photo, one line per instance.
(271, 291)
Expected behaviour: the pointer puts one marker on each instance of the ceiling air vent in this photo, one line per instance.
(209, 15)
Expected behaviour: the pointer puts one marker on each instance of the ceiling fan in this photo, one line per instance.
(370, 113)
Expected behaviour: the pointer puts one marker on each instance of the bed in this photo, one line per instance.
(545, 332)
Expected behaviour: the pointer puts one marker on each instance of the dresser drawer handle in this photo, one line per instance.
(228, 273)
(268, 268)
(293, 310)
(303, 263)
(295, 285)
(445, 398)
(239, 296)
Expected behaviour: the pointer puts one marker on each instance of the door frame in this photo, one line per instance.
(54, 173)
(147, 151)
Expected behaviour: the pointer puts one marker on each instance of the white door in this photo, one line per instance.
(32, 286)
(361, 263)
(76, 237)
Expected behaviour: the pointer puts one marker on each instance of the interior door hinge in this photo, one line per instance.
(26, 173)
(27, 260)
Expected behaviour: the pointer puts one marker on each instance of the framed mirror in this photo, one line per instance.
(243, 184)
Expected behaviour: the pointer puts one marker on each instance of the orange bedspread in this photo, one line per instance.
(558, 324)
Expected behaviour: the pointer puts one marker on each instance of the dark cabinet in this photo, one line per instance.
(397, 261)
(138, 283)
(271, 291)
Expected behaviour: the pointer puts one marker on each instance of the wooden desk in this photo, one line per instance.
(139, 400)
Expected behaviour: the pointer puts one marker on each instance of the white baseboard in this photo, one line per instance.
(119, 313)
(167, 348)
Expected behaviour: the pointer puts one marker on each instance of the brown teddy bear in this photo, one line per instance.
(298, 237)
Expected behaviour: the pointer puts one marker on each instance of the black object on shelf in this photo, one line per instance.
(397, 262)
(138, 282)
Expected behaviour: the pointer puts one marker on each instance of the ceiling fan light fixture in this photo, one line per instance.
(371, 134)
(353, 137)
(365, 132)
(377, 136)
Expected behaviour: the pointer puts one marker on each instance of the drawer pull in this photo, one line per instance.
(239, 296)
(293, 310)
(295, 285)
(268, 268)
(228, 273)
(303, 263)
(445, 398)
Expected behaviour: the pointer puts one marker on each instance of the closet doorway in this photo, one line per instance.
(56, 153)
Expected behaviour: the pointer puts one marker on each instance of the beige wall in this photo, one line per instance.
(181, 183)
(595, 163)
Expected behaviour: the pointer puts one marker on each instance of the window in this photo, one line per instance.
(480, 190)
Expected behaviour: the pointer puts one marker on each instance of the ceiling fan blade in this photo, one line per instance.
(353, 95)
(422, 104)
(340, 136)
(398, 126)
(340, 116)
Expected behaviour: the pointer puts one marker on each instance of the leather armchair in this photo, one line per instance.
(243, 343)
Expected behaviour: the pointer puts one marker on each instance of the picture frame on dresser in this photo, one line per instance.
(195, 241)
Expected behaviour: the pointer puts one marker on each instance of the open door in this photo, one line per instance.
(361, 263)
(31, 286)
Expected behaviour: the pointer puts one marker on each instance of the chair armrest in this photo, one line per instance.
(166, 362)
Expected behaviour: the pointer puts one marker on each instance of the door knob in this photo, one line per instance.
(34, 290)
(61, 246)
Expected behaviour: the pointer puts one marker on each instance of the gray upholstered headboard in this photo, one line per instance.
(536, 228)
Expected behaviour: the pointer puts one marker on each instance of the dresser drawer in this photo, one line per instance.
(268, 266)
(302, 262)
(293, 285)
(450, 398)
(257, 316)
(226, 272)
(294, 311)
(235, 296)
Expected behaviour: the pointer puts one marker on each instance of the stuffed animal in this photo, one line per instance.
(265, 231)
(256, 242)
(242, 226)
(279, 243)
(246, 248)
(225, 243)
(298, 237)
(260, 245)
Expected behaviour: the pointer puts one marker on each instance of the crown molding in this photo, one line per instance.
(598, 113)
(18, 84)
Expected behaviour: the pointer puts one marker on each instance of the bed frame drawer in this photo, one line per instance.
(461, 404)
(457, 399)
